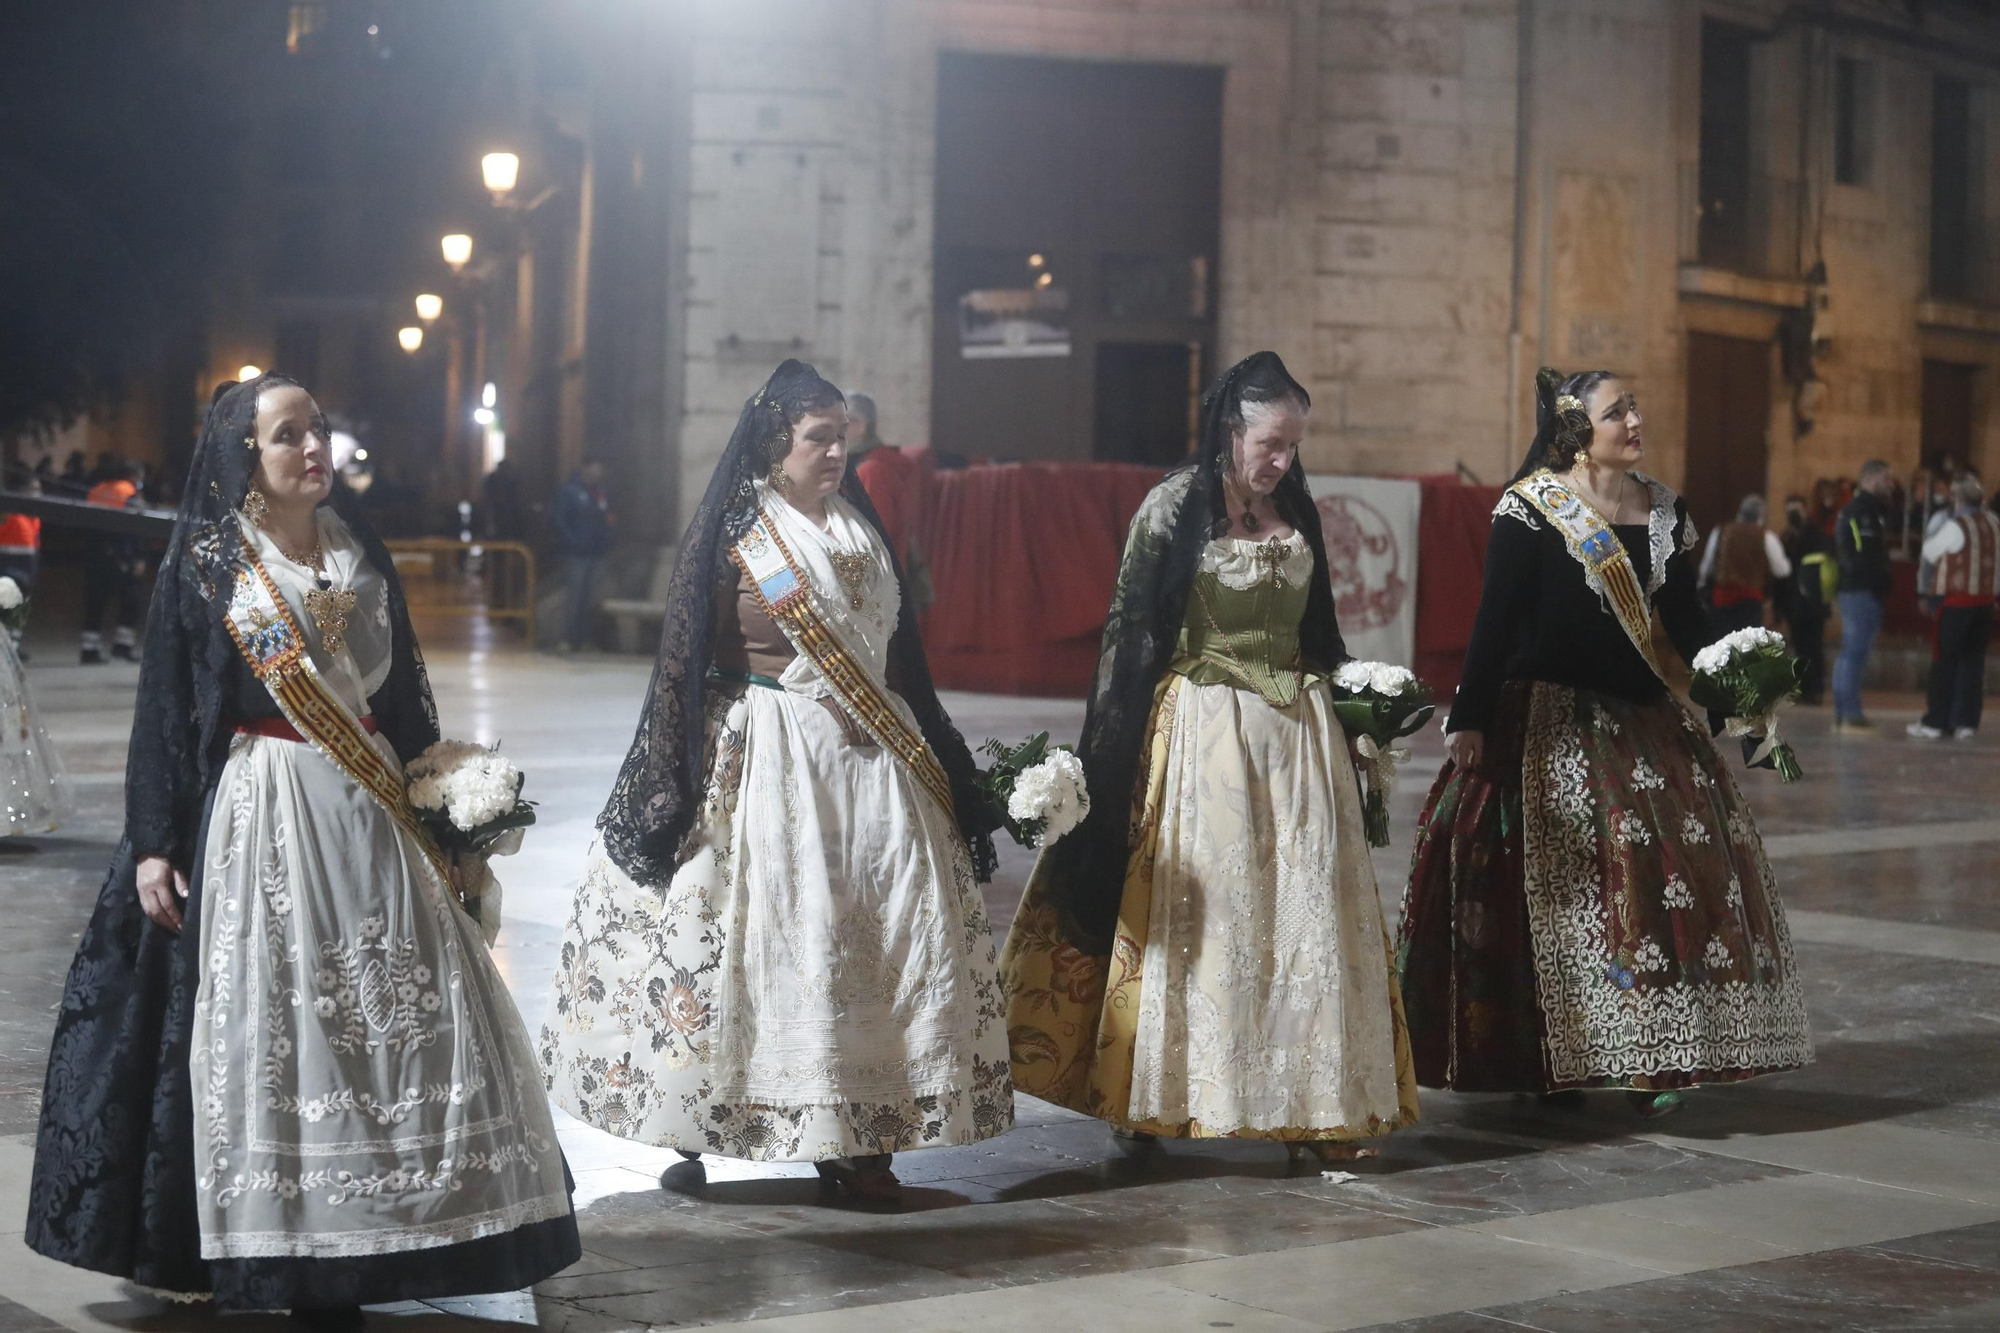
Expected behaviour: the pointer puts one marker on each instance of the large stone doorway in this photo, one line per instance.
(1076, 241)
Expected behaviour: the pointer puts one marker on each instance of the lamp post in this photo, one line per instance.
(429, 307)
(457, 249)
(411, 338)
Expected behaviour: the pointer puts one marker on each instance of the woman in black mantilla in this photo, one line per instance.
(1589, 904)
(779, 951)
(285, 1071)
(1205, 956)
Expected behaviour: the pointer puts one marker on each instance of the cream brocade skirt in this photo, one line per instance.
(818, 980)
(1249, 991)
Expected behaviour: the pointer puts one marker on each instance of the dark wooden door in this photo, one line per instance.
(1947, 416)
(1097, 182)
(1728, 414)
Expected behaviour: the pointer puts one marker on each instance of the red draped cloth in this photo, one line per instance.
(1023, 559)
(1452, 526)
(894, 481)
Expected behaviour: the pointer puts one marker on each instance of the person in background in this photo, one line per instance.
(1808, 602)
(895, 484)
(1965, 550)
(20, 541)
(506, 519)
(111, 576)
(1861, 545)
(75, 479)
(583, 524)
(1741, 560)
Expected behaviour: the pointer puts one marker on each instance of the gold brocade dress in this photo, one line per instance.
(1249, 992)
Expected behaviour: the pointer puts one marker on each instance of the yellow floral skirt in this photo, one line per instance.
(1250, 991)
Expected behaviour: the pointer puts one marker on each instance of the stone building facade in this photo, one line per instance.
(1732, 204)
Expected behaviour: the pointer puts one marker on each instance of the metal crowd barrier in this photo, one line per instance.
(443, 576)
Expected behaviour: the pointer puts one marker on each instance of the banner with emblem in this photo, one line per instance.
(1370, 524)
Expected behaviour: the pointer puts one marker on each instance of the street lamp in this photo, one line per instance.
(457, 249)
(411, 338)
(429, 307)
(248, 373)
(500, 171)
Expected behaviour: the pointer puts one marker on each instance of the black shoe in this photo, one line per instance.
(331, 1319)
(90, 657)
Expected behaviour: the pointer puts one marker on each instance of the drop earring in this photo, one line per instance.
(775, 478)
(254, 506)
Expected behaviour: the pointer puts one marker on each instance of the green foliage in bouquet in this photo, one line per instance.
(1748, 687)
(1036, 788)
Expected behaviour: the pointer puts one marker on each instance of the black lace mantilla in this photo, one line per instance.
(1084, 873)
(178, 741)
(114, 1177)
(652, 804)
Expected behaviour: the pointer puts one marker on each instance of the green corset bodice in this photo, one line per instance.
(1242, 621)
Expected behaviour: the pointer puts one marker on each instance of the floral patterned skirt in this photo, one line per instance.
(1594, 909)
(818, 979)
(1250, 992)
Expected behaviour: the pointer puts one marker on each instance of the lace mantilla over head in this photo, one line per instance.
(1085, 871)
(658, 791)
(186, 664)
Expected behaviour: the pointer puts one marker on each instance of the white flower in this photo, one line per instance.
(10, 594)
(288, 1189)
(1354, 677)
(325, 1007)
(1052, 792)
(431, 1001)
(1678, 894)
(471, 784)
(1693, 830)
(1741, 643)
(1649, 957)
(1717, 955)
(1735, 895)
(1391, 680)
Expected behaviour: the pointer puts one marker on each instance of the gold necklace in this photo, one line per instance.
(1250, 520)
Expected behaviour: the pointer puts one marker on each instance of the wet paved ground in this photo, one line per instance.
(1862, 1193)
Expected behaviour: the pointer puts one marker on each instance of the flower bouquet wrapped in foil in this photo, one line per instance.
(1749, 678)
(1039, 787)
(1379, 703)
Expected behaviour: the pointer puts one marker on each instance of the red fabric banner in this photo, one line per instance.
(1023, 558)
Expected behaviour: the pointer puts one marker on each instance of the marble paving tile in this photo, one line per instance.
(1854, 1290)
(1433, 1271)
(1119, 1304)
(1615, 1231)
(1813, 1212)
(1923, 941)
(1946, 1166)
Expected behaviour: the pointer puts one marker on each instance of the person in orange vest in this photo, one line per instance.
(111, 578)
(1741, 560)
(1966, 552)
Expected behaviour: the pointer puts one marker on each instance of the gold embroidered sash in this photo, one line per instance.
(268, 636)
(1603, 557)
(786, 595)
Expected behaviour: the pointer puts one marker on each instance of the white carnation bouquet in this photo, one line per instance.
(13, 605)
(1749, 678)
(1379, 703)
(469, 797)
(1039, 786)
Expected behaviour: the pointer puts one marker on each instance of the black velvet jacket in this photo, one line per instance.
(1539, 620)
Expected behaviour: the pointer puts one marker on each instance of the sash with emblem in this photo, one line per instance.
(1606, 563)
(786, 594)
(268, 635)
